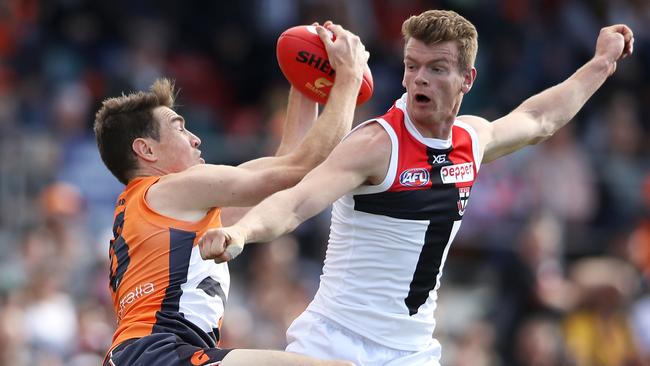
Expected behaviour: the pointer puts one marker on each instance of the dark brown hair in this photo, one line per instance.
(434, 26)
(122, 119)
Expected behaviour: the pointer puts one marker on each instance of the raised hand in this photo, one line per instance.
(614, 43)
(346, 52)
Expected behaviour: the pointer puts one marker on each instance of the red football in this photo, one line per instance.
(303, 61)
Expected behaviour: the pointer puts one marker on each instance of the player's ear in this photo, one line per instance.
(468, 80)
(143, 148)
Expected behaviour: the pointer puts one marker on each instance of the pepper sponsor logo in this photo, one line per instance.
(457, 173)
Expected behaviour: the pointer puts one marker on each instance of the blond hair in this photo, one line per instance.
(434, 26)
(122, 119)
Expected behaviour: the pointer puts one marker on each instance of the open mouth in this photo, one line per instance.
(421, 98)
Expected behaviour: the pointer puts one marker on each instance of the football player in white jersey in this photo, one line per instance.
(401, 183)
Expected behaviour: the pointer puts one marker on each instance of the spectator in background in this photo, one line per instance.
(639, 255)
(539, 342)
(532, 281)
(597, 332)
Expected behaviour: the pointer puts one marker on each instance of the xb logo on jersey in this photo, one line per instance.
(415, 177)
(438, 159)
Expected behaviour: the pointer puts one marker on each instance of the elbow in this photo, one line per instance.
(316, 157)
(307, 159)
(545, 127)
(545, 131)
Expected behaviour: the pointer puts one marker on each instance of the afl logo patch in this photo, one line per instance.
(415, 177)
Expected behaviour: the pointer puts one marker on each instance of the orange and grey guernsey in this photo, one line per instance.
(158, 281)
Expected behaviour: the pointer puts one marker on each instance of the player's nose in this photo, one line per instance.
(420, 79)
(195, 141)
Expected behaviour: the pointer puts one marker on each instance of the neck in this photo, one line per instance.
(148, 171)
(438, 124)
(437, 129)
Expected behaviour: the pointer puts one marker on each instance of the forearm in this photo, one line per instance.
(272, 218)
(556, 106)
(332, 125)
(300, 115)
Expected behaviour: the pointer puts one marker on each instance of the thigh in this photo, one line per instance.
(164, 349)
(429, 356)
(249, 357)
(310, 335)
(314, 335)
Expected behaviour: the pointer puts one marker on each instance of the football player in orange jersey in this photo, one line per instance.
(168, 301)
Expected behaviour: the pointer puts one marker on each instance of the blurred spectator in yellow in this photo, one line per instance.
(597, 331)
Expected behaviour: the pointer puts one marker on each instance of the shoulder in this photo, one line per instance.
(367, 151)
(482, 126)
(371, 139)
(371, 132)
(476, 122)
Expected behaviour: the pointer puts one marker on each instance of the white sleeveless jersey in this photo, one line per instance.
(388, 243)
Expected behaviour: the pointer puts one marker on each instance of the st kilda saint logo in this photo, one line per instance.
(463, 192)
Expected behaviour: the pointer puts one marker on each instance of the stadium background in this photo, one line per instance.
(552, 263)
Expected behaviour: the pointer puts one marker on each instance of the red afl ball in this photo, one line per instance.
(303, 61)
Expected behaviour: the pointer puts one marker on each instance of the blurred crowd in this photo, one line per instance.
(551, 267)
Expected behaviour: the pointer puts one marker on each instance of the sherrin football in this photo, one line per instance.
(303, 61)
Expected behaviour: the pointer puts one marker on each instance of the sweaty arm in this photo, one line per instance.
(541, 115)
(362, 158)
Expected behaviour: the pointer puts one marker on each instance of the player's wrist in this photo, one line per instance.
(349, 75)
(603, 64)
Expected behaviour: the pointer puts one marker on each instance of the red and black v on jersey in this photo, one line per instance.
(388, 243)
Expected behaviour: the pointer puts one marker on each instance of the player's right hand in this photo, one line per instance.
(614, 43)
(346, 53)
(221, 245)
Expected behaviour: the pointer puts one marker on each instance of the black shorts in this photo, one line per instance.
(165, 349)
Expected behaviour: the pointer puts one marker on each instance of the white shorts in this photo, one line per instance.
(314, 335)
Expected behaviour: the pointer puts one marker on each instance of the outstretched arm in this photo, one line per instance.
(204, 186)
(540, 116)
(300, 115)
(361, 158)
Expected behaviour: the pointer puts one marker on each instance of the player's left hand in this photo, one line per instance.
(614, 43)
(221, 244)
